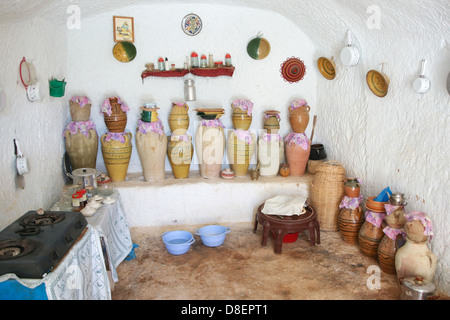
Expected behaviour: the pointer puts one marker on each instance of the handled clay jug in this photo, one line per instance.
(116, 155)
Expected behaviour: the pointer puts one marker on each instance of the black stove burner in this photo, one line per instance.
(42, 220)
(34, 244)
(13, 249)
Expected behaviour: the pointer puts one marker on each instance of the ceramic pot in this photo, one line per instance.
(386, 254)
(415, 258)
(116, 156)
(317, 152)
(241, 119)
(152, 148)
(79, 113)
(271, 121)
(396, 219)
(270, 156)
(82, 150)
(369, 238)
(350, 222)
(240, 153)
(352, 188)
(179, 119)
(299, 119)
(180, 155)
(117, 121)
(297, 158)
(210, 148)
(284, 170)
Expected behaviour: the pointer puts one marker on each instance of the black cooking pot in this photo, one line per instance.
(317, 152)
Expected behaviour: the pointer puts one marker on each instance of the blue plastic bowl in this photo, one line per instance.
(213, 235)
(177, 242)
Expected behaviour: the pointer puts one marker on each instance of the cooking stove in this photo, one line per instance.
(33, 245)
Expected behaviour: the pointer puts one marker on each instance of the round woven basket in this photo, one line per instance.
(326, 193)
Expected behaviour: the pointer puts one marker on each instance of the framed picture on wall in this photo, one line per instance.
(123, 29)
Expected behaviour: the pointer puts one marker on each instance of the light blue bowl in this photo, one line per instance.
(213, 235)
(177, 242)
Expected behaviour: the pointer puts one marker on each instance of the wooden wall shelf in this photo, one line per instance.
(201, 72)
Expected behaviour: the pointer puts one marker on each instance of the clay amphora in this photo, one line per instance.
(270, 155)
(179, 118)
(80, 108)
(297, 158)
(116, 155)
(241, 119)
(82, 150)
(369, 238)
(271, 121)
(350, 222)
(386, 254)
(117, 121)
(299, 119)
(152, 148)
(240, 153)
(210, 148)
(180, 153)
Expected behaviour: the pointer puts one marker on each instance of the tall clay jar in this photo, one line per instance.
(299, 115)
(80, 108)
(371, 233)
(179, 118)
(180, 153)
(242, 114)
(116, 151)
(270, 154)
(350, 221)
(115, 114)
(272, 121)
(151, 144)
(297, 148)
(81, 141)
(210, 147)
(240, 149)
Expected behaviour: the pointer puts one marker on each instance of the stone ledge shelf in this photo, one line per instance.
(199, 201)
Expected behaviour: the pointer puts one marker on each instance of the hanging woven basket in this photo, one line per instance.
(326, 193)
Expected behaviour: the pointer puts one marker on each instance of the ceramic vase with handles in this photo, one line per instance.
(151, 144)
(180, 152)
(270, 154)
(179, 118)
(81, 141)
(299, 115)
(298, 148)
(415, 258)
(80, 108)
(240, 149)
(115, 114)
(210, 147)
(116, 151)
(272, 121)
(242, 114)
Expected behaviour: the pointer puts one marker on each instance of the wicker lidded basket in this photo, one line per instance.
(326, 193)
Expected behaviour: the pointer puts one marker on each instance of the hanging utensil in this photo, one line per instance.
(350, 54)
(21, 165)
(421, 84)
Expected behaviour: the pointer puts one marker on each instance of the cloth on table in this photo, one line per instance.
(285, 205)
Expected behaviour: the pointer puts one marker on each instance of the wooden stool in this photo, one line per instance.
(282, 225)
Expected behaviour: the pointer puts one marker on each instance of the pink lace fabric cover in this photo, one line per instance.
(146, 127)
(424, 218)
(268, 137)
(375, 218)
(82, 101)
(80, 126)
(297, 104)
(216, 123)
(299, 139)
(244, 135)
(181, 104)
(106, 107)
(351, 203)
(244, 104)
(393, 233)
(117, 136)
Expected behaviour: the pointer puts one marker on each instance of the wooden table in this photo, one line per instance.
(282, 225)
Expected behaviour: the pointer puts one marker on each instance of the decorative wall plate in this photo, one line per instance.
(124, 51)
(191, 24)
(293, 70)
(327, 68)
(378, 83)
(258, 48)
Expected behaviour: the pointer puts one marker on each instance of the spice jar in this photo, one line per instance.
(83, 194)
(227, 60)
(203, 63)
(194, 60)
(218, 64)
(76, 202)
(161, 65)
(211, 61)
